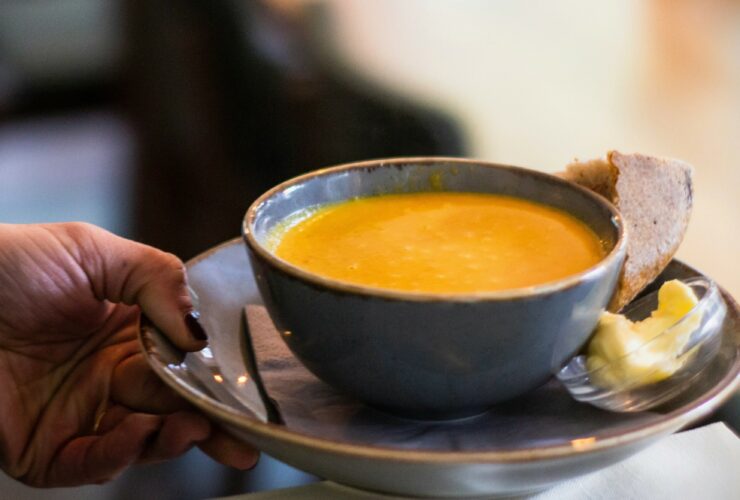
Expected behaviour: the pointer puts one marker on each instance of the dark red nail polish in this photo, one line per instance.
(191, 320)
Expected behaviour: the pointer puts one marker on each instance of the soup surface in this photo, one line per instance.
(439, 242)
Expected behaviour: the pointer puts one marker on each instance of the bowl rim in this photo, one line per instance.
(616, 253)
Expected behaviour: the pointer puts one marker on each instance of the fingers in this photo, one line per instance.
(126, 438)
(177, 433)
(96, 459)
(110, 419)
(180, 432)
(227, 450)
(122, 270)
(136, 386)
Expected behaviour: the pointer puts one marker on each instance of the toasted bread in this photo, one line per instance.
(654, 196)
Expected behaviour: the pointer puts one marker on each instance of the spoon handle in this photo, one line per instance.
(271, 407)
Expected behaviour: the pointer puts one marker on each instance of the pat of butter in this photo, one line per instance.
(617, 336)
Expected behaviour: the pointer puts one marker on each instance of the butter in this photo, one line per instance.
(616, 336)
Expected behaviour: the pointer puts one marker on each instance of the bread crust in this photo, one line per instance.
(655, 197)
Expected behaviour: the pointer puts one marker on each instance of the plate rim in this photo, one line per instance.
(667, 423)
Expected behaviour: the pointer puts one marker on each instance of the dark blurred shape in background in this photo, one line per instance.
(162, 120)
(66, 151)
(224, 100)
(59, 55)
(230, 98)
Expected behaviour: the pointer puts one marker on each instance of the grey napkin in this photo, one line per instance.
(547, 416)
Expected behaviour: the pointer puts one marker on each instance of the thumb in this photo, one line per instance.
(122, 270)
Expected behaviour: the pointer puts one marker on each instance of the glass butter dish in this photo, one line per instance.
(652, 372)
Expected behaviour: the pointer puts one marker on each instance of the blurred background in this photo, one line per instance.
(161, 120)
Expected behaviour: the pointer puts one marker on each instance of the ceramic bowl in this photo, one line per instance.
(431, 356)
(518, 447)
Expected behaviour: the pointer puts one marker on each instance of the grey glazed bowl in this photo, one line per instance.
(431, 356)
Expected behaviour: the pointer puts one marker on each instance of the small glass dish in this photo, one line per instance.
(632, 393)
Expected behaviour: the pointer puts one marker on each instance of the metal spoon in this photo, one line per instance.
(205, 367)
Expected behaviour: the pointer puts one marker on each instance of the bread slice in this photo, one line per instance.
(654, 196)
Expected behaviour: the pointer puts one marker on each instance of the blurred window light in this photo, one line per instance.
(76, 167)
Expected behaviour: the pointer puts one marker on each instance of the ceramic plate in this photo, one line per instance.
(525, 445)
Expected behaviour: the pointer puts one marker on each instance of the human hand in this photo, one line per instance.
(78, 402)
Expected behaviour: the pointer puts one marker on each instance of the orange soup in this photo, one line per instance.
(439, 242)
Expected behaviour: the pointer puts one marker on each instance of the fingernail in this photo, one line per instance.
(197, 331)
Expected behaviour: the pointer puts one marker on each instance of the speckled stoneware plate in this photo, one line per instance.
(525, 445)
